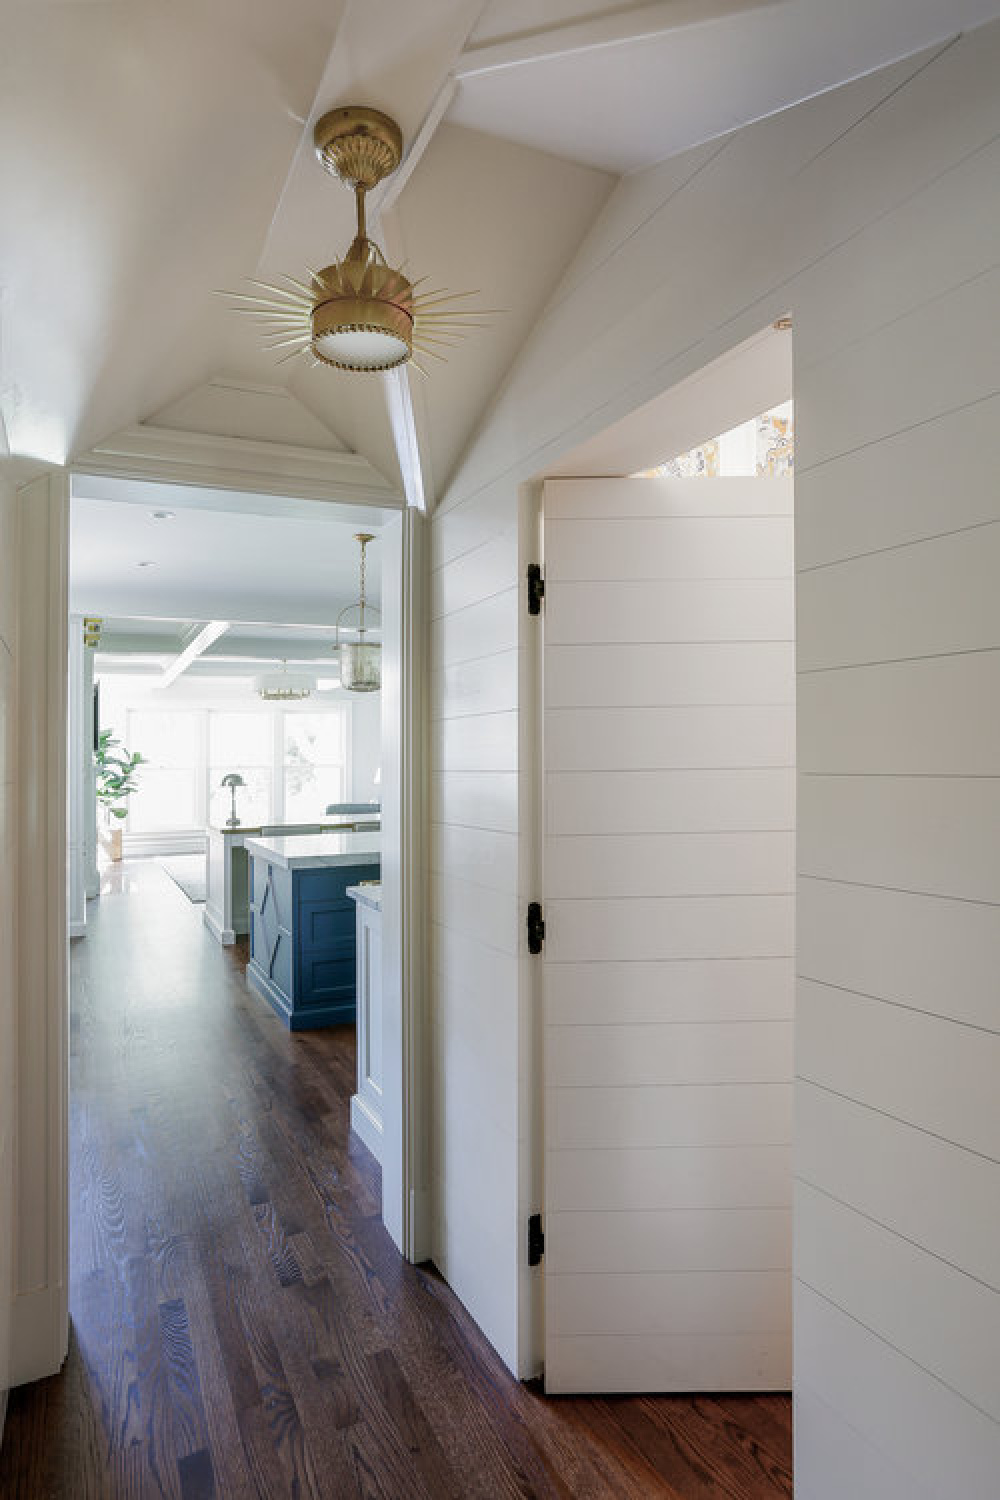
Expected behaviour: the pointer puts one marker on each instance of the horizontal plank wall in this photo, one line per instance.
(668, 878)
(8, 960)
(880, 231)
(898, 1141)
(474, 960)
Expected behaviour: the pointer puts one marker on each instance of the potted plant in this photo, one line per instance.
(116, 768)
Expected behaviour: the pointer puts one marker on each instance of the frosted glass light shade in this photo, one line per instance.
(361, 666)
(361, 349)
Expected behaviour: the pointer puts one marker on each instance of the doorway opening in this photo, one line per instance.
(202, 640)
(666, 862)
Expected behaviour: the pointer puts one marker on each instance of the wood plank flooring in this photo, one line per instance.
(243, 1328)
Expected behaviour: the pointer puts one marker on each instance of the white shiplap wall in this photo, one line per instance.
(8, 1043)
(873, 213)
(669, 873)
(474, 946)
(898, 1197)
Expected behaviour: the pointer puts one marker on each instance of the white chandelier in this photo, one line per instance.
(283, 686)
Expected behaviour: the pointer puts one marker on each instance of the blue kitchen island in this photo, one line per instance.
(302, 923)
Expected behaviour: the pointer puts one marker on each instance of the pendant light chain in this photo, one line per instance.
(360, 660)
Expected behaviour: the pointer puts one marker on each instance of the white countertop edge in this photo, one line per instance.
(366, 895)
(309, 851)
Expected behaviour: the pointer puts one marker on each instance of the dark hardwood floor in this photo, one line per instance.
(241, 1324)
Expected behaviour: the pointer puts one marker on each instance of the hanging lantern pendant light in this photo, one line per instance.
(361, 659)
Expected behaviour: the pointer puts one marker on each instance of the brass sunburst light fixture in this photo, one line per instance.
(359, 313)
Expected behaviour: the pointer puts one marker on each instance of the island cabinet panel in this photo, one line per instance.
(366, 1105)
(302, 939)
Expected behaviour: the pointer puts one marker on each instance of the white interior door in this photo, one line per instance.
(668, 883)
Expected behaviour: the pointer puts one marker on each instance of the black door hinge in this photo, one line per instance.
(536, 1240)
(536, 927)
(536, 588)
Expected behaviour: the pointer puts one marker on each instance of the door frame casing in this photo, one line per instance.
(405, 1200)
(40, 1295)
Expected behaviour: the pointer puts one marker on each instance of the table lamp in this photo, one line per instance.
(232, 781)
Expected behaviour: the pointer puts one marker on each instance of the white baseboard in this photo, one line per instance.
(365, 1124)
(421, 1226)
(39, 1334)
(185, 841)
(224, 935)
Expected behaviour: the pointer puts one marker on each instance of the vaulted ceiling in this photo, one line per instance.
(153, 151)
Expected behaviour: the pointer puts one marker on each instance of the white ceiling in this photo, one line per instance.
(659, 78)
(151, 153)
(296, 566)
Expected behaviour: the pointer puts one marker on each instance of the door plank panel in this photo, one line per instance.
(669, 817)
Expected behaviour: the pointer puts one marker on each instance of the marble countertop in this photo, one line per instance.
(366, 895)
(367, 821)
(307, 851)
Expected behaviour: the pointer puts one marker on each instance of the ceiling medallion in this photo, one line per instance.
(359, 313)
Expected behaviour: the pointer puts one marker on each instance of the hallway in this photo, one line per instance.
(242, 1325)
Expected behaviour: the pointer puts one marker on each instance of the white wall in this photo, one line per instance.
(873, 215)
(366, 745)
(8, 1035)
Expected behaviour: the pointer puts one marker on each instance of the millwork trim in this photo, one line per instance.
(413, 895)
(147, 452)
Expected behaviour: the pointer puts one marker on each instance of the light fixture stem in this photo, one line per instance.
(361, 628)
(359, 194)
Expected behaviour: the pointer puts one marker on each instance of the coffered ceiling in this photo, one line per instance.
(153, 152)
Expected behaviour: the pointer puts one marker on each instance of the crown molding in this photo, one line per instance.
(171, 455)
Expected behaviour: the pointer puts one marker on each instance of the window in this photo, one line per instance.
(314, 764)
(293, 764)
(167, 795)
(763, 448)
(244, 743)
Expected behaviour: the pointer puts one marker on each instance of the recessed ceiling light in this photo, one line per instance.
(146, 563)
(163, 515)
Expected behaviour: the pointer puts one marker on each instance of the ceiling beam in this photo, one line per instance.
(206, 637)
(399, 400)
(382, 198)
(634, 23)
